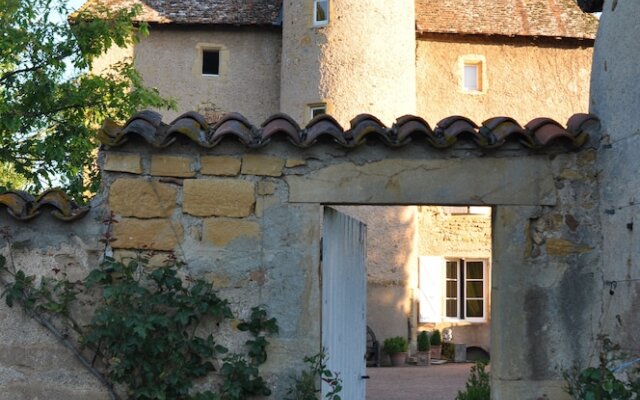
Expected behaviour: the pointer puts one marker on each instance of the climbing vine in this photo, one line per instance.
(145, 329)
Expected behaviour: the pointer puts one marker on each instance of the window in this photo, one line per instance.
(210, 62)
(317, 109)
(452, 289)
(472, 76)
(320, 12)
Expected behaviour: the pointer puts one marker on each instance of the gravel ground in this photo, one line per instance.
(436, 382)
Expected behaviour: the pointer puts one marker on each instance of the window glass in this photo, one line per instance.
(210, 62)
(315, 110)
(474, 288)
(471, 75)
(452, 308)
(321, 11)
(475, 270)
(452, 270)
(475, 308)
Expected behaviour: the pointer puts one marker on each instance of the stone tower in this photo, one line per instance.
(362, 60)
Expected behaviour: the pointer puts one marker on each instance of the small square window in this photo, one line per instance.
(317, 109)
(210, 62)
(472, 77)
(320, 12)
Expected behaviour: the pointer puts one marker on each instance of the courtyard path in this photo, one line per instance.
(436, 382)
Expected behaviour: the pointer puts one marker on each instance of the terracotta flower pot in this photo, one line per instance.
(398, 359)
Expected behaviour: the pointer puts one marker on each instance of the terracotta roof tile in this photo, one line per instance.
(493, 133)
(23, 206)
(552, 18)
(224, 12)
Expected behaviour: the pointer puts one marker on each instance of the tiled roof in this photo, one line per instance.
(224, 12)
(23, 206)
(552, 18)
(493, 133)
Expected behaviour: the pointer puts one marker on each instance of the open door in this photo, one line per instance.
(344, 301)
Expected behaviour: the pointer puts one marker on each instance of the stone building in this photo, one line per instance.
(563, 198)
(389, 58)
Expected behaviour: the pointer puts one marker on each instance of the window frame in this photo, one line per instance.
(477, 65)
(484, 291)
(315, 21)
(204, 50)
(432, 289)
(311, 108)
(480, 62)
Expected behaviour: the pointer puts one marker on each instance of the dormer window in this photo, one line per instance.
(320, 12)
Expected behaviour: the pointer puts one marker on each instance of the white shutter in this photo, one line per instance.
(431, 284)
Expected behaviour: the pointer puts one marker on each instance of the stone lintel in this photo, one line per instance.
(494, 181)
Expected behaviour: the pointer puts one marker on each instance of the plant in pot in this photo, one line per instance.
(424, 355)
(436, 344)
(397, 348)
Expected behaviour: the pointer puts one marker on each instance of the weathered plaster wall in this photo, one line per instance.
(351, 64)
(170, 60)
(524, 79)
(392, 266)
(615, 98)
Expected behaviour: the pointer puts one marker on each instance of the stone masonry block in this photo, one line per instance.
(262, 165)
(220, 165)
(123, 162)
(221, 231)
(178, 166)
(141, 198)
(155, 234)
(266, 188)
(294, 162)
(562, 247)
(218, 197)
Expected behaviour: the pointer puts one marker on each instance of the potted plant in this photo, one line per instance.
(424, 345)
(397, 348)
(436, 344)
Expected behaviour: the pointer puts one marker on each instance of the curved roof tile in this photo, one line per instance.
(23, 206)
(494, 132)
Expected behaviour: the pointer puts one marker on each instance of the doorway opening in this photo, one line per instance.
(427, 268)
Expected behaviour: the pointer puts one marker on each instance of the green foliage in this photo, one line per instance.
(395, 345)
(423, 341)
(9, 178)
(306, 385)
(145, 329)
(50, 106)
(612, 379)
(478, 385)
(448, 351)
(436, 338)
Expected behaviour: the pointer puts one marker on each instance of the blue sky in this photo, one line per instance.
(74, 4)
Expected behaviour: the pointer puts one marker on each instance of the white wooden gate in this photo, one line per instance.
(344, 301)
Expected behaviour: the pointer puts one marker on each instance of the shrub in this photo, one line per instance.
(448, 351)
(395, 345)
(478, 385)
(436, 339)
(423, 341)
(612, 379)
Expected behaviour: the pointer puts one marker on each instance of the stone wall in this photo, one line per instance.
(250, 221)
(523, 78)
(615, 98)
